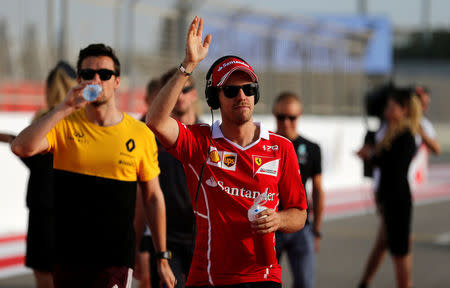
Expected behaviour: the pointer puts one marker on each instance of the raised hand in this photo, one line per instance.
(196, 48)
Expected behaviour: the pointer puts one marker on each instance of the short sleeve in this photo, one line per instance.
(191, 144)
(317, 161)
(428, 128)
(291, 189)
(53, 136)
(148, 163)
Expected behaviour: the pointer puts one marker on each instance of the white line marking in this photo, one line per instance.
(443, 239)
(12, 249)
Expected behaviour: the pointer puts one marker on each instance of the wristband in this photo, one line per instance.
(182, 69)
(164, 255)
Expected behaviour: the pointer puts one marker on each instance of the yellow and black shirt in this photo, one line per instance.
(96, 174)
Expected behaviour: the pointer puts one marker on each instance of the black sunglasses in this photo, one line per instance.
(282, 117)
(89, 74)
(187, 89)
(248, 89)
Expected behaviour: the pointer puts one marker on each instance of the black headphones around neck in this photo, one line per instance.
(211, 92)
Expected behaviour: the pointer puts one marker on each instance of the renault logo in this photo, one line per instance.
(130, 145)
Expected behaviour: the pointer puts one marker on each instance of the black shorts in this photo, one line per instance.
(397, 221)
(40, 252)
(266, 284)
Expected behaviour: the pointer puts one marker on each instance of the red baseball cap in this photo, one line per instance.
(224, 69)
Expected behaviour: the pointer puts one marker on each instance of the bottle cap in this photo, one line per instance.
(257, 206)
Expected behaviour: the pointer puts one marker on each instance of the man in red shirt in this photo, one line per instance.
(228, 165)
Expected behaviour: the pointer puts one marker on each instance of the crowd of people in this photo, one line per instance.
(168, 196)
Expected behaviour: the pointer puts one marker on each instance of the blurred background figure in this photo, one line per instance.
(152, 89)
(427, 131)
(40, 194)
(301, 245)
(173, 184)
(393, 155)
(142, 267)
(180, 218)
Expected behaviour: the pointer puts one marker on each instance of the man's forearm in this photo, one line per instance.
(166, 99)
(29, 141)
(155, 211)
(432, 144)
(292, 220)
(318, 204)
(158, 117)
(139, 218)
(7, 138)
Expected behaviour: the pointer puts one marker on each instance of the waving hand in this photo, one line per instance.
(196, 48)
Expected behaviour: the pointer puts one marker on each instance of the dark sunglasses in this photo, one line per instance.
(187, 89)
(89, 74)
(282, 117)
(248, 89)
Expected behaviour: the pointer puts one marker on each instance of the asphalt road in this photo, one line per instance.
(346, 245)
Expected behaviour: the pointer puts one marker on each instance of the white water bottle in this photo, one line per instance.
(264, 243)
(91, 92)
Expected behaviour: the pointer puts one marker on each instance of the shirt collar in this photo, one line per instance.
(217, 132)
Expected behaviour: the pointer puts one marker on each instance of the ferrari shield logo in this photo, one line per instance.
(265, 165)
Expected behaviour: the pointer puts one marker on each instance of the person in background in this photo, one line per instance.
(227, 166)
(393, 155)
(40, 250)
(152, 89)
(142, 264)
(100, 155)
(180, 219)
(301, 245)
(178, 204)
(427, 131)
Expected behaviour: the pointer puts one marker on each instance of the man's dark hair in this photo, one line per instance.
(166, 77)
(153, 85)
(95, 50)
(286, 96)
(401, 96)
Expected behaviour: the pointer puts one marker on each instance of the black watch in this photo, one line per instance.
(164, 255)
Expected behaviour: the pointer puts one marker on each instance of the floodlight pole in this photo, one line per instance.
(64, 31)
(362, 7)
(427, 35)
(50, 36)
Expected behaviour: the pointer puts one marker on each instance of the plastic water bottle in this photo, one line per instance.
(91, 92)
(264, 243)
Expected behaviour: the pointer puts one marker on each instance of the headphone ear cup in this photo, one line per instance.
(212, 98)
(257, 96)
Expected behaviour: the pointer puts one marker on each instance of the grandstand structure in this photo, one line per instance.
(330, 61)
